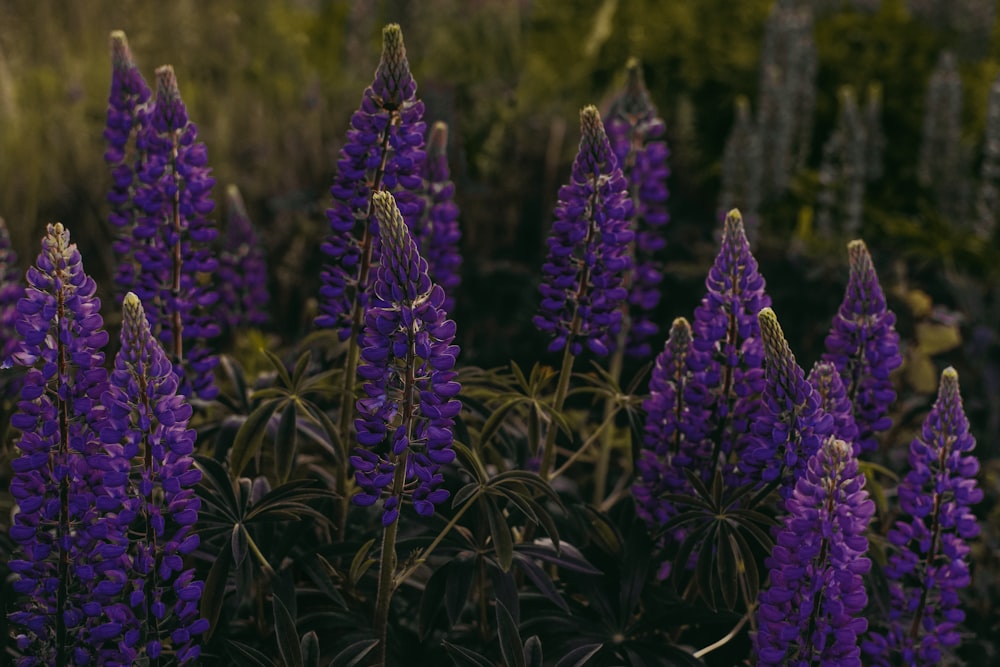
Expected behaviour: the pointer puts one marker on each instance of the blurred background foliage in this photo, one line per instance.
(272, 84)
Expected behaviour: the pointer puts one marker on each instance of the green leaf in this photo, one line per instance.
(430, 601)
(320, 571)
(279, 366)
(511, 647)
(310, 649)
(301, 365)
(249, 437)
(239, 544)
(215, 589)
(579, 656)
(361, 562)
(457, 587)
(353, 654)
(470, 462)
(541, 579)
(285, 443)
(284, 631)
(464, 656)
(503, 545)
(495, 420)
(464, 494)
(248, 655)
(533, 652)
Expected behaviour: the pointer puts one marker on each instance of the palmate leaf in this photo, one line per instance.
(580, 656)
(289, 646)
(354, 654)
(464, 657)
(511, 647)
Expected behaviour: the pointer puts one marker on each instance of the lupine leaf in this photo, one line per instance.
(250, 435)
(301, 365)
(284, 631)
(248, 655)
(285, 443)
(580, 656)
(568, 557)
(457, 587)
(540, 578)
(310, 649)
(279, 366)
(464, 656)
(215, 589)
(533, 652)
(430, 601)
(361, 562)
(503, 545)
(353, 654)
(511, 647)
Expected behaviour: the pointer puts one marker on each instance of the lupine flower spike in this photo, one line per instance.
(10, 292)
(174, 238)
(793, 424)
(676, 432)
(384, 151)
(864, 346)
(833, 400)
(67, 565)
(126, 113)
(147, 423)
(408, 409)
(929, 563)
(583, 279)
(810, 614)
(636, 135)
(438, 234)
(242, 273)
(727, 339)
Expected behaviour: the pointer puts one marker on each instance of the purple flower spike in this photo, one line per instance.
(408, 408)
(242, 273)
(825, 379)
(126, 114)
(793, 424)
(727, 340)
(384, 151)
(636, 135)
(65, 565)
(811, 612)
(583, 282)
(173, 238)
(438, 233)
(148, 423)
(676, 432)
(864, 346)
(930, 561)
(11, 291)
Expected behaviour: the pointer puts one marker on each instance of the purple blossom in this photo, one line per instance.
(864, 346)
(11, 291)
(437, 234)
(810, 612)
(384, 151)
(242, 275)
(173, 238)
(675, 438)
(67, 565)
(148, 424)
(930, 561)
(727, 340)
(583, 283)
(825, 379)
(126, 113)
(793, 424)
(636, 135)
(408, 408)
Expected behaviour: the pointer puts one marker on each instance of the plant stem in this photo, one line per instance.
(549, 448)
(608, 420)
(604, 453)
(425, 554)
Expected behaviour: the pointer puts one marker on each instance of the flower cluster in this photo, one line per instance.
(10, 293)
(810, 613)
(173, 237)
(68, 569)
(407, 358)
(438, 234)
(675, 438)
(242, 275)
(727, 338)
(583, 278)
(825, 380)
(635, 132)
(126, 111)
(864, 346)
(147, 422)
(930, 561)
(793, 424)
(384, 151)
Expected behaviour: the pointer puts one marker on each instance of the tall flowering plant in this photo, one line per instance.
(242, 271)
(10, 292)
(438, 234)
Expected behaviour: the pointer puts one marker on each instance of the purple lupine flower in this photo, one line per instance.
(792, 425)
(636, 135)
(407, 411)
(126, 112)
(810, 614)
(384, 151)
(10, 292)
(437, 235)
(833, 400)
(864, 346)
(676, 431)
(68, 562)
(583, 279)
(930, 561)
(727, 339)
(148, 424)
(242, 275)
(173, 238)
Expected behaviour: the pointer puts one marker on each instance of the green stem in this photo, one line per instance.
(608, 420)
(604, 454)
(549, 448)
(426, 553)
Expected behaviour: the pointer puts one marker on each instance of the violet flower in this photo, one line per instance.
(636, 135)
(148, 424)
(864, 346)
(929, 563)
(174, 238)
(384, 151)
(583, 278)
(126, 113)
(810, 614)
(793, 424)
(728, 344)
(67, 565)
(833, 400)
(10, 292)
(242, 275)
(438, 234)
(675, 437)
(408, 408)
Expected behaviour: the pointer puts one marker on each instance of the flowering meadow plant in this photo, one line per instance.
(360, 493)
